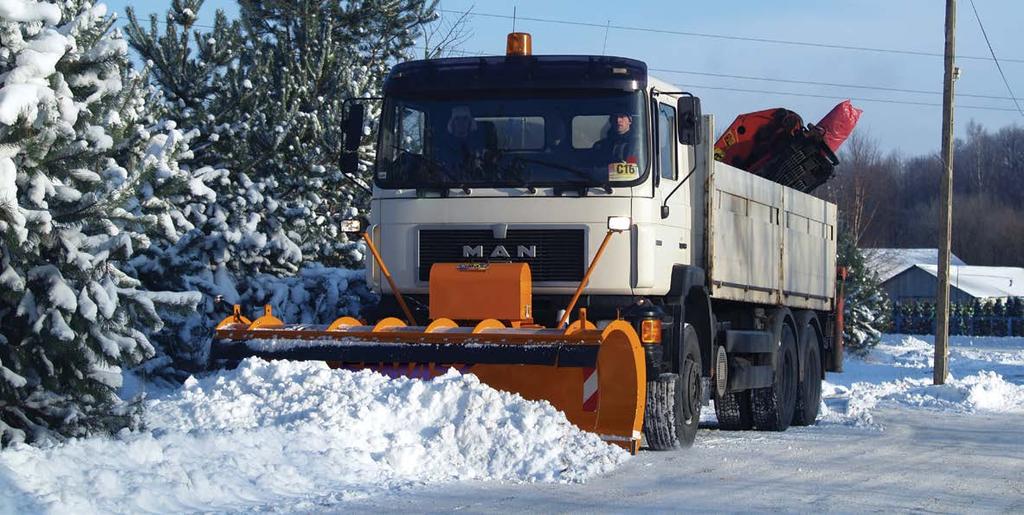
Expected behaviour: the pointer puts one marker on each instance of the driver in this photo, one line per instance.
(619, 145)
(618, 149)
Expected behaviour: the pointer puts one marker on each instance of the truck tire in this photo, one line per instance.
(691, 374)
(773, 406)
(662, 414)
(808, 398)
(733, 411)
(673, 406)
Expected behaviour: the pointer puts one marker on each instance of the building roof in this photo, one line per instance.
(889, 263)
(984, 281)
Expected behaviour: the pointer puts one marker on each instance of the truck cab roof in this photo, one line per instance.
(517, 72)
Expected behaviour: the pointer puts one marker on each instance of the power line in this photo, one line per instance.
(145, 21)
(729, 37)
(828, 84)
(993, 52)
(834, 97)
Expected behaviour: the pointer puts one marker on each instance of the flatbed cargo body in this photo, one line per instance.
(769, 244)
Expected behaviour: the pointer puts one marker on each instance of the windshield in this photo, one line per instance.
(597, 139)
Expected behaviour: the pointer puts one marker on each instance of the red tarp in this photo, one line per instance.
(838, 124)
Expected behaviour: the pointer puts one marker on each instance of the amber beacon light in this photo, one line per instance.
(519, 43)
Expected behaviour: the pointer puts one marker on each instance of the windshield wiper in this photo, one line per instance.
(531, 189)
(515, 170)
(435, 167)
(586, 180)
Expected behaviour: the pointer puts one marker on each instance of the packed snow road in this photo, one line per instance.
(298, 437)
(922, 462)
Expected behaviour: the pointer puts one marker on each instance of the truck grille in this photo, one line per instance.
(559, 252)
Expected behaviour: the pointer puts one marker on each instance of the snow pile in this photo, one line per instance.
(299, 432)
(986, 375)
(988, 391)
(470, 429)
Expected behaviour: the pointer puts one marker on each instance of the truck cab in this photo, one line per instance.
(533, 174)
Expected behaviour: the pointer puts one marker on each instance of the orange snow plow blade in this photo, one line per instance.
(596, 377)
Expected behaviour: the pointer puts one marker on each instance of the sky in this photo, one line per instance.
(906, 25)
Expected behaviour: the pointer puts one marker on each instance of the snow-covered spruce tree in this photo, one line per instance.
(73, 151)
(267, 93)
(269, 124)
(867, 310)
(198, 77)
(181, 214)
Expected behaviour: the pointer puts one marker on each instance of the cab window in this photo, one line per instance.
(667, 141)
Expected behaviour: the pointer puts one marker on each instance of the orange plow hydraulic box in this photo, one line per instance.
(478, 291)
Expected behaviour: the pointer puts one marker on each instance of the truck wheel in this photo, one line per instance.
(693, 392)
(673, 406)
(662, 414)
(733, 411)
(774, 406)
(808, 398)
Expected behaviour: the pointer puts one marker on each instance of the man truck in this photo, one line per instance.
(523, 170)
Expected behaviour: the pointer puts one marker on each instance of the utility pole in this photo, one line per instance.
(941, 369)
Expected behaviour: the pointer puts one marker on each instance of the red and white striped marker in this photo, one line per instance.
(590, 393)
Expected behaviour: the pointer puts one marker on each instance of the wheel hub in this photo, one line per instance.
(721, 371)
(693, 398)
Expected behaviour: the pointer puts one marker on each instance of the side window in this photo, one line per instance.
(587, 129)
(667, 140)
(410, 130)
(513, 132)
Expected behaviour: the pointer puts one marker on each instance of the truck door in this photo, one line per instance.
(672, 240)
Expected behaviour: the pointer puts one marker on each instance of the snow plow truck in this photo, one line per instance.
(559, 226)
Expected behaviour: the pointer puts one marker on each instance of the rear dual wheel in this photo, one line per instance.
(808, 399)
(790, 400)
(733, 411)
(773, 407)
(672, 413)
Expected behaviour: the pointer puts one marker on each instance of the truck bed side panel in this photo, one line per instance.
(770, 244)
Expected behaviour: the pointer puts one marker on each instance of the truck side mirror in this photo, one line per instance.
(349, 163)
(688, 119)
(354, 126)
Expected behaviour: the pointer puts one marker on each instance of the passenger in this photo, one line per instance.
(461, 123)
(464, 145)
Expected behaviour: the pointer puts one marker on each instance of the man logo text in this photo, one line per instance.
(522, 251)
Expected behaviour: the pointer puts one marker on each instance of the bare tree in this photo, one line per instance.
(887, 201)
(864, 179)
(445, 37)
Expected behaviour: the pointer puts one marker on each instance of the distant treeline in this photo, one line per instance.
(893, 201)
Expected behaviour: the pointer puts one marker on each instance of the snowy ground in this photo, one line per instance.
(299, 437)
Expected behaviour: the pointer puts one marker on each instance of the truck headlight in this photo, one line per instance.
(619, 223)
(353, 227)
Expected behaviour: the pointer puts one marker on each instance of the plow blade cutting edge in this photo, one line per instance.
(596, 377)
